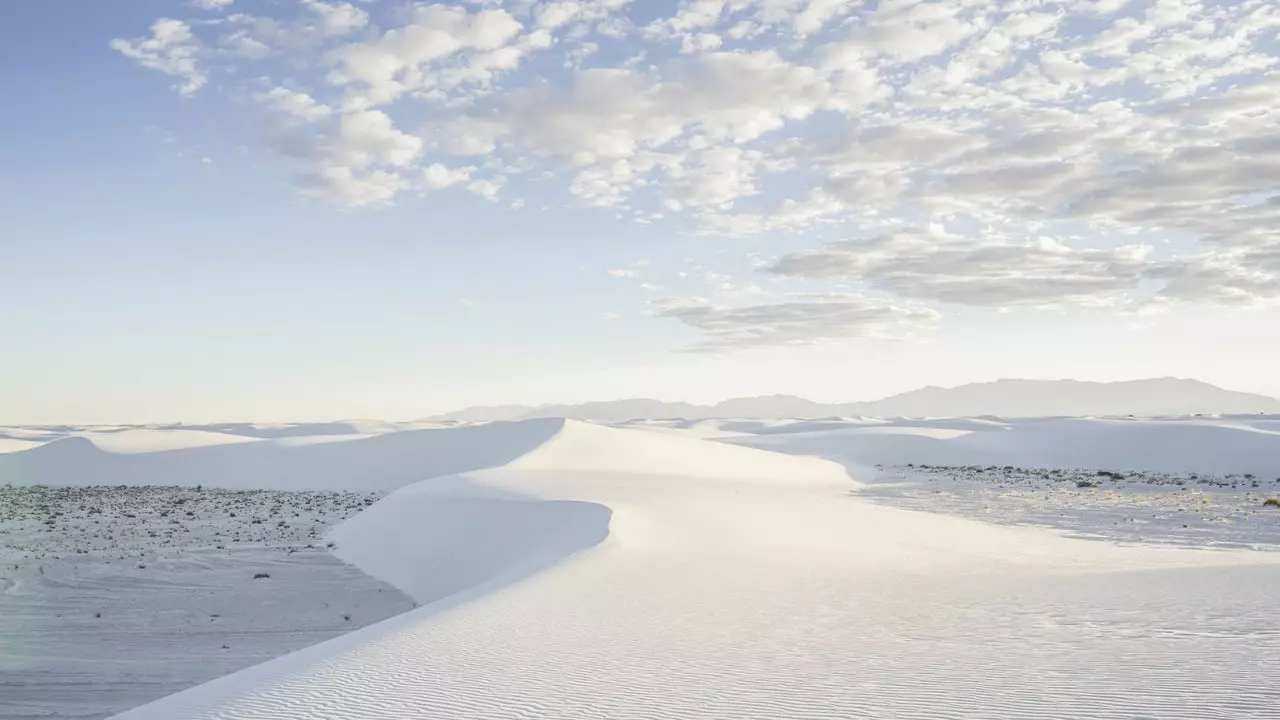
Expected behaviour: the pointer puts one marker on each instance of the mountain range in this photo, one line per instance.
(1006, 398)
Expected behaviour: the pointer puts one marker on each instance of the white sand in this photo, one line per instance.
(581, 571)
(1239, 444)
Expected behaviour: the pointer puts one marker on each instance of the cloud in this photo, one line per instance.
(991, 271)
(911, 31)
(997, 272)
(685, 121)
(171, 49)
(381, 70)
(747, 18)
(353, 188)
(1243, 280)
(211, 4)
(294, 106)
(802, 320)
(337, 18)
(369, 137)
(487, 188)
(1080, 153)
(360, 158)
(554, 14)
(613, 113)
(436, 176)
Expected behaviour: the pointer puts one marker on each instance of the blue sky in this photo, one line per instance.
(298, 209)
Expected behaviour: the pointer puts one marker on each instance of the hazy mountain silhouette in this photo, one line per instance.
(1008, 398)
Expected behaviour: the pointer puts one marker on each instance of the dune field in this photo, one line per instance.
(848, 567)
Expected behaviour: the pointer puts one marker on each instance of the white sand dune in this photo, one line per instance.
(590, 572)
(8, 445)
(151, 438)
(125, 439)
(1225, 445)
(378, 463)
(148, 440)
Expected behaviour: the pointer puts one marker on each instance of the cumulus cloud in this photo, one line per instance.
(294, 106)
(358, 158)
(337, 18)
(353, 188)
(487, 188)
(1080, 153)
(437, 177)
(381, 70)
(747, 18)
(172, 49)
(611, 113)
(801, 320)
(909, 32)
(369, 137)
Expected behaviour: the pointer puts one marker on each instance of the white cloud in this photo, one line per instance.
(487, 188)
(700, 42)
(345, 186)
(575, 57)
(992, 271)
(999, 272)
(436, 176)
(715, 177)
(554, 14)
(211, 4)
(244, 44)
(172, 49)
(1243, 280)
(620, 126)
(906, 31)
(1105, 126)
(817, 13)
(337, 18)
(295, 106)
(612, 113)
(747, 18)
(368, 137)
(360, 158)
(381, 70)
(800, 320)
(692, 15)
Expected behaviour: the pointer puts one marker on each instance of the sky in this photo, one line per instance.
(308, 209)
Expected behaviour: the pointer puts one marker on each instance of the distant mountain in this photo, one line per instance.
(1024, 398)
(483, 413)
(1008, 398)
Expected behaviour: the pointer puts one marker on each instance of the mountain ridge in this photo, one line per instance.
(1008, 397)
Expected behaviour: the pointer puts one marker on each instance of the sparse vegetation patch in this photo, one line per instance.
(1193, 509)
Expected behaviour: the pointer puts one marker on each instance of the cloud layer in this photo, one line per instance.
(994, 154)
